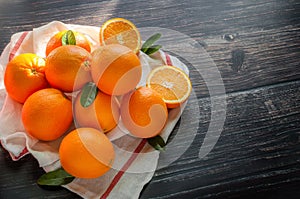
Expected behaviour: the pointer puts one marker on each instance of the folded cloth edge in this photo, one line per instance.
(167, 59)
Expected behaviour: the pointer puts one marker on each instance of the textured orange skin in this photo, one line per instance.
(47, 114)
(55, 41)
(67, 68)
(136, 112)
(103, 114)
(86, 153)
(24, 75)
(115, 69)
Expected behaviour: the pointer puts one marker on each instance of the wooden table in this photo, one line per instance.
(254, 46)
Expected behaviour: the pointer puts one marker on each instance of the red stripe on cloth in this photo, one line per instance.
(13, 157)
(23, 153)
(17, 46)
(124, 168)
(168, 59)
(11, 56)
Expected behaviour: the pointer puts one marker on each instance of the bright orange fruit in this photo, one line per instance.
(24, 75)
(56, 41)
(67, 68)
(172, 83)
(103, 114)
(115, 69)
(86, 153)
(47, 114)
(143, 112)
(120, 31)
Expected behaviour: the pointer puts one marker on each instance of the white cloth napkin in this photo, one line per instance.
(135, 160)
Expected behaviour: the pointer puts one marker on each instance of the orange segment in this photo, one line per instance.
(120, 31)
(172, 83)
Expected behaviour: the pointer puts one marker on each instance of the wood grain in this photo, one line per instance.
(265, 31)
(255, 153)
(258, 153)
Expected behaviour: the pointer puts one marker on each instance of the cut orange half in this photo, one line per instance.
(120, 31)
(172, 83)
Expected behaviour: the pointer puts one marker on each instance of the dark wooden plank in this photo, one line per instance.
(258, 150)
(266, 31)
(18, 180)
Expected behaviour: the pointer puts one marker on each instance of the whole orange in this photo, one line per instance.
(67, 68)
(143, 112)
(47, 114)
(86, 153)
(56, 41)
(103, 114)
(115, 69)
(24, 75)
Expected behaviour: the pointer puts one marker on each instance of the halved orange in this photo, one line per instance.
(120, 31)
(172, 83)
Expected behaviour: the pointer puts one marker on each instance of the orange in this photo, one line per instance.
(143, 112)
(115, 69)
(47, 114)
(172, 83)
(103, 114)
(56, 41)
(120, 31)
(86, 153)
(67, 68)
(24, 75)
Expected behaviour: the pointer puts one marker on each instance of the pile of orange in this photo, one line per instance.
(103, 83)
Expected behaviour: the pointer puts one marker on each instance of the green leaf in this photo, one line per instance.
(157, 142)
(153, 49)
(55, 178)
(88, 95)
(68, 38)
(150, 41)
